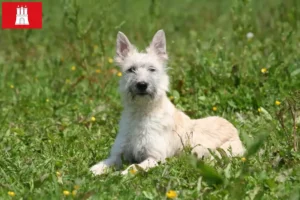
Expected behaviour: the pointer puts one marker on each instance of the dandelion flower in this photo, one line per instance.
(171, 194)
(11, 193)
(243, 159)
(73, 68)
(74, 192)
(66, 192)
(119, 74)
(98, 71)
(58, 173)
(93, 119)
(214, 108)
(110, 60)
(277, 103)
(250, 35)
(132, 171)
(12, 86)
(263, 70)
(259, 109)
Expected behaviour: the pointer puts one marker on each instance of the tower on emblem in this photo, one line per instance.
(22, 16)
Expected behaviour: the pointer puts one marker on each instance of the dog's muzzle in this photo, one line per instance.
(142, 88)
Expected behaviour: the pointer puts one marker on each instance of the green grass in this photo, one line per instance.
(46, 107)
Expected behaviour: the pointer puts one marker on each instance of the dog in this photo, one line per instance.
(151, 129)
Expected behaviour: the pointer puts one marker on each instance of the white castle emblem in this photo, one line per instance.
(22, 16)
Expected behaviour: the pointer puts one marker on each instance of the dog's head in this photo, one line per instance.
(144, 73)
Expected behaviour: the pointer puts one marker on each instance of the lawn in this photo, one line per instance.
(60, 106)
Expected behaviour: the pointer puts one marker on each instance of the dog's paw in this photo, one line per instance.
(131, 169)
(100, 168)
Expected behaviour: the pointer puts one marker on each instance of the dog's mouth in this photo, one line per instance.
(142, 93)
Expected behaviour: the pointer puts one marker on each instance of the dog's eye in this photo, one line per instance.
(131, 69)
(152, 69)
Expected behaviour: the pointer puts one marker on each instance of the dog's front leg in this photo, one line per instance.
(113, 160)
(101, 167)
(145, 165)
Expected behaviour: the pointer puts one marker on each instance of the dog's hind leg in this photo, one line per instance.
(233, 147)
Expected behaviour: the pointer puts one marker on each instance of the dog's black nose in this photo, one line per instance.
(142, 86)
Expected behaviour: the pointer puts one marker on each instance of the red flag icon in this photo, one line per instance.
(22, 15)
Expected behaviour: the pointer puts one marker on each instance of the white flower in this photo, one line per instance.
(250, 35)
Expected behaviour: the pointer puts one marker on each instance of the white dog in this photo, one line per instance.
(151, 128)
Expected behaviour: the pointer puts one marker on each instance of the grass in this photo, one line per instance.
(59, 103)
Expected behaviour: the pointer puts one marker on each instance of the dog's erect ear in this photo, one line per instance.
(123, 46)
(158, 45)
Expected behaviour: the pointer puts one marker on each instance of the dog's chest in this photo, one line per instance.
(148, 137)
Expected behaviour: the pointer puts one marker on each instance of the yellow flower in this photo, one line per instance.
(98, 71)
(12, 86)
(66, 192)
(93, 119)
(76, 187)
(119, 74)
(243, 159)
(263, 70)
(259, 109)
(12, 194)
(132, 171)
(277, 103)
(73, 68)
(47, 100)
(214, 108)
(58, 173)
(110, 60)
(74, 192)
(171, 194)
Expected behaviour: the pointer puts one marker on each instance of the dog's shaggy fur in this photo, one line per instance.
(151, 128)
